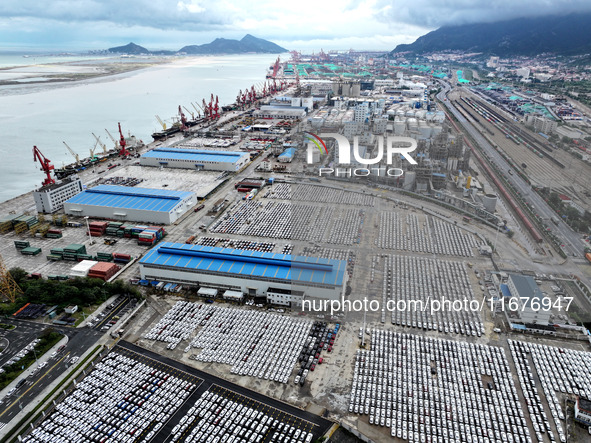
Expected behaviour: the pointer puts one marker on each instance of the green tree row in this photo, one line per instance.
(76, 291)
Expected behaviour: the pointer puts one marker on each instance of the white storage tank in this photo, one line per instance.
(490, 202)
(424, 129)
(412, 124)
(399, 126)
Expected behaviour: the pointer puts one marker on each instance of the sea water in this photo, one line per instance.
(46, 115)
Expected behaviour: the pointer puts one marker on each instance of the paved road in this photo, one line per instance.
(573, 246)
(80, 340)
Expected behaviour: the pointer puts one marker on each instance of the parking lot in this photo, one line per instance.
(423, 234)
(426, 389)
(122, 399)
(318, 194)
(424, 280)
(136, 395)
(253, 343)
(561, 373)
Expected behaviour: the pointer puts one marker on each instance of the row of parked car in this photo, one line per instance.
(321, 338)
(121, 400)
(430, 390)
(257, 344)
(551, 368)
(224, 417)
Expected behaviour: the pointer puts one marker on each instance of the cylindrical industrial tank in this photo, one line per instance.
(399, 126)
(490, 202)
(409, 179)
(412, 124)
(421, 114)
(308, 102)
(424, 129)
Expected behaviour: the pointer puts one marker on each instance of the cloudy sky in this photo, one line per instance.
(297, 24)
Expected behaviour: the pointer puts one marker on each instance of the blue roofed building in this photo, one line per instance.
(282, 279)
(161, 206)
(287, 155)
(198, 159)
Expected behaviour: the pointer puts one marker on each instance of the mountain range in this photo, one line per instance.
(248, 44)
(561, 35)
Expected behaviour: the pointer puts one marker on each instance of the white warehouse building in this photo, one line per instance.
(199, 159)
(124, 203)
(282, 279)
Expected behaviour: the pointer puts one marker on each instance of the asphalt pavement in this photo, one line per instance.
(79, 340)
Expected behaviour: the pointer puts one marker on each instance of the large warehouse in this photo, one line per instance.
(283, 279)
(131, 204)
(198, 159)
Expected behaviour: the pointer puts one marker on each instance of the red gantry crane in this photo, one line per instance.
(184, 126)
(123, 152)
(216, 108)
(46, 166)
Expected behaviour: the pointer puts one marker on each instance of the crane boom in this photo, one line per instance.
(102, 145)
(161, 122)
(112, 139)
(123, 152)
(76, 157)
(46, 166)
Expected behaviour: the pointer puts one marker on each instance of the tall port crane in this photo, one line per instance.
(115, 142)
(216, 108)
(46, 166)
(276, 67)
(190, 112)
(123, 152)
(196, 109)
(184, 126)
(76, 157)
(101, 144)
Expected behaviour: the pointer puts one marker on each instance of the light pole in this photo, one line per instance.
(88, 231)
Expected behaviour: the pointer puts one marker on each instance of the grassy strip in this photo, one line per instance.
(7, 327)
(30, 414)
(17, 368)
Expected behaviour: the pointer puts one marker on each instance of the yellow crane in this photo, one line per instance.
(161, 123)
(113, 139)
(73, 154)
(8, 287)
(101, 144)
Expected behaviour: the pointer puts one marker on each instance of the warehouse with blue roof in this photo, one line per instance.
(123, 203)
(282, 279)
(198, 159)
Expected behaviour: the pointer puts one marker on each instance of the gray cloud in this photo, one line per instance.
(161, 14)
(435, 13)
